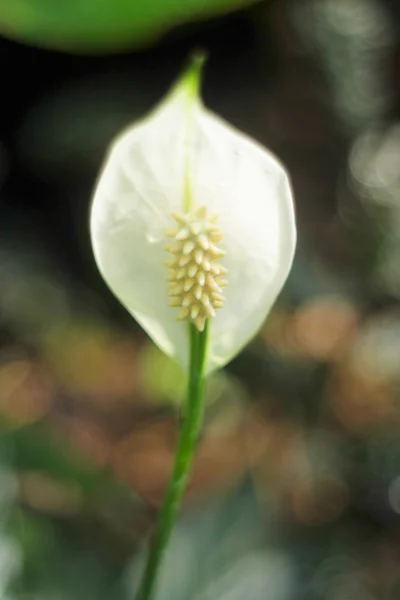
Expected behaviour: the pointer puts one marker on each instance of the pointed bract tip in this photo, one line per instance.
(197, 58)
(191, 77)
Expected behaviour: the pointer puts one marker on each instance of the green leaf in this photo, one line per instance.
(35, 448)
(102, 25)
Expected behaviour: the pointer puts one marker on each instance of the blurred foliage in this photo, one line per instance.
(352, 40)
(295, 493)
(220, 552)
(102, 26)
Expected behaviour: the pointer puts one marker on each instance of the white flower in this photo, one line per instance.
(230, 202)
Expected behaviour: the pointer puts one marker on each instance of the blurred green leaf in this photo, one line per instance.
(35, 449)
(102, 25)
(37, 540)
(161, 378)
(220, 552)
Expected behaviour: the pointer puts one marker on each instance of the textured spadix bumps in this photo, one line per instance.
(226, 205)
(195, 277)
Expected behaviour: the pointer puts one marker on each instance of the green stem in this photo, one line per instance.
(189, 435)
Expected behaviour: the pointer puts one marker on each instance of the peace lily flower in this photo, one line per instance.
(193, 221)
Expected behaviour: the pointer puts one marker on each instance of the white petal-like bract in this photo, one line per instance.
(144, 181)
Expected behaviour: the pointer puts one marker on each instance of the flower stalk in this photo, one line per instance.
(189, 434)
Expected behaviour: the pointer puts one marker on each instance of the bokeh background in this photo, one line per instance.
(295, 493)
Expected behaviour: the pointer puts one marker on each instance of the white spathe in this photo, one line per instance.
(143, 183)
